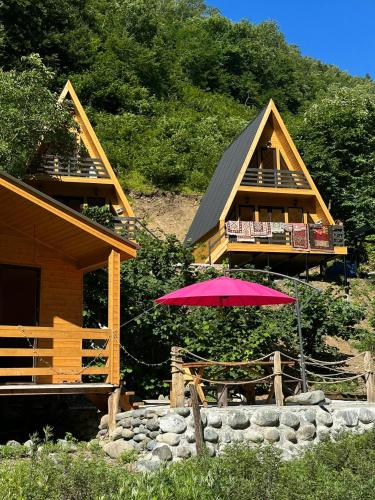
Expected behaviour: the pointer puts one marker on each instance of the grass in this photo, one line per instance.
(341, 470)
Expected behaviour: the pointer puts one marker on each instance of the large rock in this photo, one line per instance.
(348, 417)
(173, 423)
(122, 415)
(271, 434)
(238, 420)
(289, 419)
(266, 417)
(152, 424)
(190, 420)
(324, 418)
(126, 423)
(170, 438)
(366, 416)
(214, 420)
(103, 422)
(183, 452)
(190, 437)
(310, 416)
(210, 435)
(307, 398)
(114, 449)
(289, 435)
(306, 432)
(253, 436)
(184, 412)
(162, 452)
(116, 434)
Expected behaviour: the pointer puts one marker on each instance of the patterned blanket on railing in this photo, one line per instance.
(321, 238)
(262, 229)
(247, 232)
(233, 227)
(300, 236)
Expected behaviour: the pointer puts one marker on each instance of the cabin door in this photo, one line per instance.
(19, 305)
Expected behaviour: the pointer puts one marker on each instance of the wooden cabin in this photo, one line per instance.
(45, 249)
(86, 177)
(262, 207)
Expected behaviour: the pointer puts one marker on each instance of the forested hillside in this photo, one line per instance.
(169, 83)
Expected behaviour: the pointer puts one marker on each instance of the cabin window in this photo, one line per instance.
(295, 214)
(283, 165)
(268, 158)
(246, 212)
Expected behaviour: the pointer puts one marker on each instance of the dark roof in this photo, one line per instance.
(66, 209)
(221, 184)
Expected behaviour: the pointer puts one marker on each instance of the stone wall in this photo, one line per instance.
(163, 434)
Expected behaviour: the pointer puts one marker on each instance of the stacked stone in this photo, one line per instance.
(162, 434)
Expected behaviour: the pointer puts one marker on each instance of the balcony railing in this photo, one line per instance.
(336, 239)
(130, 226)
(272, 178)
(74, 166)
(85, 344)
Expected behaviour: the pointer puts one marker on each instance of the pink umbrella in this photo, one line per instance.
(225, 291)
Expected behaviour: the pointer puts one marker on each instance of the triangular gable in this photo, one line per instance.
(222, 181)
(91, 141)
(231, 169)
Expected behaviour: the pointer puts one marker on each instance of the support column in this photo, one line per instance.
(177, 396)
(277, 379)
(114, 317)
(370, 377)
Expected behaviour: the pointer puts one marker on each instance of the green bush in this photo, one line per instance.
(344, 469)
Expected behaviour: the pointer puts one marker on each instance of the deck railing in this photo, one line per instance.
(272, 178)
(130, 226)
(58, 361)
(337, 235)
(74, 166)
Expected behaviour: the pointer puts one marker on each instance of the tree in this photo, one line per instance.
(336, 135)
(30, 113)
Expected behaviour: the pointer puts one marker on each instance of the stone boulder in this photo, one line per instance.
(162, 452)
(114, 449)
(238, 420)
(289, 419)
(266, 417)
(173, 423)
(307, 398)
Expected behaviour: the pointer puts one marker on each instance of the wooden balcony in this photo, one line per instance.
(74, 166)
(272, 178)
(65, 355)
(220, 243)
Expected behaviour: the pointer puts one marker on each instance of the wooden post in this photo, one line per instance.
(198, 430)
(177, 397)
(277, 379)
(222, 395)
(370, 378)
(114, 317)
(113, 407)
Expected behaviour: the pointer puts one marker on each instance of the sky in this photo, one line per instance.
(339, 32)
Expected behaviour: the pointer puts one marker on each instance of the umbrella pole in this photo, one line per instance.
(302, 357)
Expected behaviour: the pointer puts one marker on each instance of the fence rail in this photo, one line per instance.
(130, 226)
(267, 177)
(276, 369)
(74, 166)
(50, 359)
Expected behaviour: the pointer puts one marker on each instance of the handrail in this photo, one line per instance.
(130, 225)
(71, 166)
(268, 177)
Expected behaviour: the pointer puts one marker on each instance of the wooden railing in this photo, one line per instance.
(272, 178)
(130, 226)
(337, 235)
(74, 166)
(54, 361)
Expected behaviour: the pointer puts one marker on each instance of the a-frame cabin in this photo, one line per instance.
(262, 206)
(85, 178)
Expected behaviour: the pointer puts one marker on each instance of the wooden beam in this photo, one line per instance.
(277, 379)
(114, 316)
(41, 332)
(23, 372)
(370, 377)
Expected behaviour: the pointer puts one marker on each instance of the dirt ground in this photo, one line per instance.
(166, 213)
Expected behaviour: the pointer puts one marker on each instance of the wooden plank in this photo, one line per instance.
(198, 428)
(370, 378)
(52, 333)
(44, 389)
(277, 382)
(21, 372)
(54, 352)
(114, 316)
(178, 384)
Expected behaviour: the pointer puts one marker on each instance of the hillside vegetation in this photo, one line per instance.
(169, 83)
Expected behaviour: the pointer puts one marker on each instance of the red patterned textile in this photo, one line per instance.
(300, 236)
